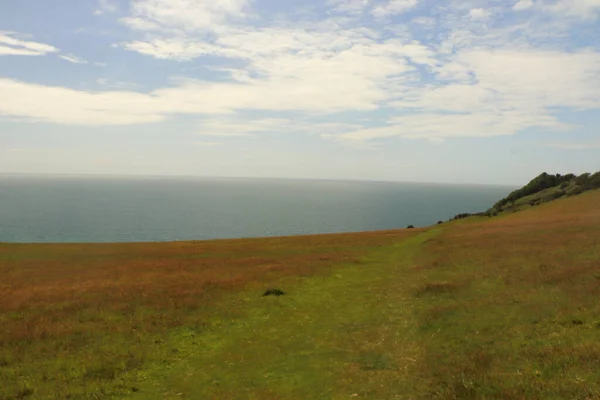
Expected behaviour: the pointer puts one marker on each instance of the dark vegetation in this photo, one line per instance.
(274, 292)
(542, 189)
(545, 188)
(467, 215)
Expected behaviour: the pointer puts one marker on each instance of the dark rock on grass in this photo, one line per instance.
(410, 227)
(440, 222)
(274, 292)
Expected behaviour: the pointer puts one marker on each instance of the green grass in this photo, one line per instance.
(329, 337)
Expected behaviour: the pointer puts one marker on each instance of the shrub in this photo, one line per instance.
(461, 216)
(553, 195)
(582, 179)
(274, 292)
(576, 191)
(539, 183)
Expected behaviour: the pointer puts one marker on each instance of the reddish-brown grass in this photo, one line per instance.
(527, 325)
(51, 283)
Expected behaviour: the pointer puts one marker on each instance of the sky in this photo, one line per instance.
(453, 91)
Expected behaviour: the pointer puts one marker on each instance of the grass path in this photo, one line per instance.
(348, 334)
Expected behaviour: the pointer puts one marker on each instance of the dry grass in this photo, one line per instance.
(60, 305)
(527, 325)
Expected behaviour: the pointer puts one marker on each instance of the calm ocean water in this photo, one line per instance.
(108, 209)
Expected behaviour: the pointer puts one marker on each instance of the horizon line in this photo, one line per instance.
(98, 175)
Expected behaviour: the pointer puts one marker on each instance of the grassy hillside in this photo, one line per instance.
(494, 308)
(545, 188)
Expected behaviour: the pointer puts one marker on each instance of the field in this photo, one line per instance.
(481, 308)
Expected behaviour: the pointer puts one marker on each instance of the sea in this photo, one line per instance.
(66, 209)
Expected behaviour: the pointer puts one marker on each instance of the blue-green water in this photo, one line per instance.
(103, 209)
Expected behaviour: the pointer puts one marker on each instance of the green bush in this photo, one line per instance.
(553, 196)
(567, 185)
(461, 216)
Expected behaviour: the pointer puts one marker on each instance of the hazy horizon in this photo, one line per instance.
(33, 174)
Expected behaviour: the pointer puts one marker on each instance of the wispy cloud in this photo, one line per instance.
(480, 13)
(106, 6)
(394, 7)
(349, 6)
(455, 69)
(236, 128)
(188, 15)
(584, 9)
(73, 59)
(523, 5)
(113, 84)
(12, 43)
(250, 127)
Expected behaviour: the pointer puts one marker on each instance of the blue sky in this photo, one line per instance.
(403, 90)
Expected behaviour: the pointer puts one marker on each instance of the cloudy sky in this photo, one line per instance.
(409, 90)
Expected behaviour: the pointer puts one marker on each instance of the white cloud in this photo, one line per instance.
(349, 6)
(394, 7)
(106, 6)
(584, 9)
(237, 127)
(329, 69)
(10, 44)
(73, 59)
(140, 24)
(523, 5)
(479, 13)
(437, 126)
(113, 84)
(288, 68)
(248, 127)
(176, 48)
(427, 22)
(479, 76)
(512, 91)
(188, 15)
(68, 106)
(341, 82)
(544, 78)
